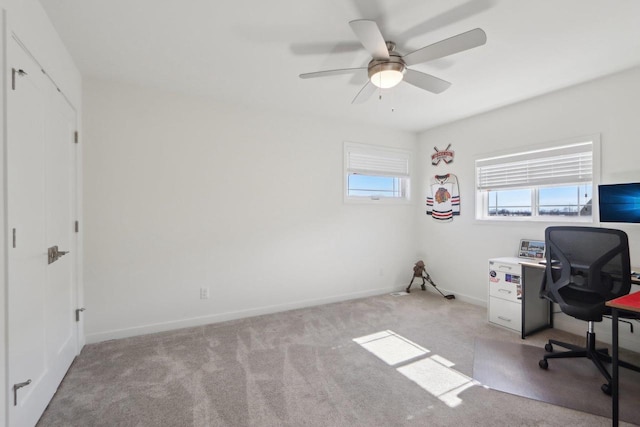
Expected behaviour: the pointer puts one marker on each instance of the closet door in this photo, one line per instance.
(42, 294)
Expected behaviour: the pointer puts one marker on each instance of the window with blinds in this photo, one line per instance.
(559, 165)
(549, 183)
(375, 173)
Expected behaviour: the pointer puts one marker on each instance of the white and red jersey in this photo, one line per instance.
(443, 197)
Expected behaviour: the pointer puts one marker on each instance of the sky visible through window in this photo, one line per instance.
(376, 186)
(562, 201)
(566, 200)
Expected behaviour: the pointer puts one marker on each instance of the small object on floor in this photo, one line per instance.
(420, 271)
(398, 294)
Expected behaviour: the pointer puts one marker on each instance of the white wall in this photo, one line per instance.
(456, 253)
(181, 193)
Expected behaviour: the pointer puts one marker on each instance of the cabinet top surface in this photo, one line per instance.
(508, 259)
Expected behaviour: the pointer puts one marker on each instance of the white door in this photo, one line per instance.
(42, 336)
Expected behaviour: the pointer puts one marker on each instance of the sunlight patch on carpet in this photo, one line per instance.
(438, 379)
(435, 374)
(391, 347)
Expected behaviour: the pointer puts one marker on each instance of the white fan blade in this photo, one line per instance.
(365, 93)
(425, 81)
(331, 72)
(446, 47)
(371, 38)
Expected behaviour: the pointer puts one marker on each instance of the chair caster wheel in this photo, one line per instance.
(543, 364)
(548, 348)
(408, 291)
(606, 389)
(424, 288)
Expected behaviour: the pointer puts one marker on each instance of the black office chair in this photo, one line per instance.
(586, 267)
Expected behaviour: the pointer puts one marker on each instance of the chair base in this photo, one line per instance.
(599, 356)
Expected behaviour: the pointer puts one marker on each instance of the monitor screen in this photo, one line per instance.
(532, 249)
(619, 202)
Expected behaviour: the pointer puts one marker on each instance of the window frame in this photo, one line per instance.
(482, 195)
(381, 152)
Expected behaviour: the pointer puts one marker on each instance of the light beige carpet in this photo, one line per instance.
(319, 366)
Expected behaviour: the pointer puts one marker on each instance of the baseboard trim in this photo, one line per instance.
(461, 297)
(231, 315)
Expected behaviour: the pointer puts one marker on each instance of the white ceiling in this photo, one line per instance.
(250, 52)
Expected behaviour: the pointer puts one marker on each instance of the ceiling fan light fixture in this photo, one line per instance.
(387, 67)
(386, 75)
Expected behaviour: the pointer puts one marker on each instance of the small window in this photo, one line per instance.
(375, 173)
(547, 184)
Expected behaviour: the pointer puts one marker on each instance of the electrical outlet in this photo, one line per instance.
(204, 293)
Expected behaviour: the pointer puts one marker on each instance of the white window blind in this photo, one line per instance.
(377, 162)
(569, 164)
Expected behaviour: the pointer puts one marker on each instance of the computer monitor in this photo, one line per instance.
(619, 202)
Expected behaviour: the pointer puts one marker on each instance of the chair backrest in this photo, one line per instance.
(586, 266)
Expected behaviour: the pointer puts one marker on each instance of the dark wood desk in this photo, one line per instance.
(629, 303)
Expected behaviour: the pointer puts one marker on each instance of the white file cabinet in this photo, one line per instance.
(505, 293)
(513, 296)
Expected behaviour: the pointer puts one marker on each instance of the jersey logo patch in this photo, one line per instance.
(442, 195)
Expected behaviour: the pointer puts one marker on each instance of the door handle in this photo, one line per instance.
(53, 254)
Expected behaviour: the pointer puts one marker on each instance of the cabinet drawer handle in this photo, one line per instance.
(506, 291)
(505, 266)
(504, 318)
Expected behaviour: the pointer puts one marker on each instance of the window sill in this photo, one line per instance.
(546, 219)
(376, 201)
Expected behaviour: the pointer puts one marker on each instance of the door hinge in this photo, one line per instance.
(75, 137)
(78, 311)
(17, 387)
(14, 237)
(76, 227)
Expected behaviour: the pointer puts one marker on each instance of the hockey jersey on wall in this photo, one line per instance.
(443, 197)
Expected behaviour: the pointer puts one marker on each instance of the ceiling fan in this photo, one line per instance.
(388, 68)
